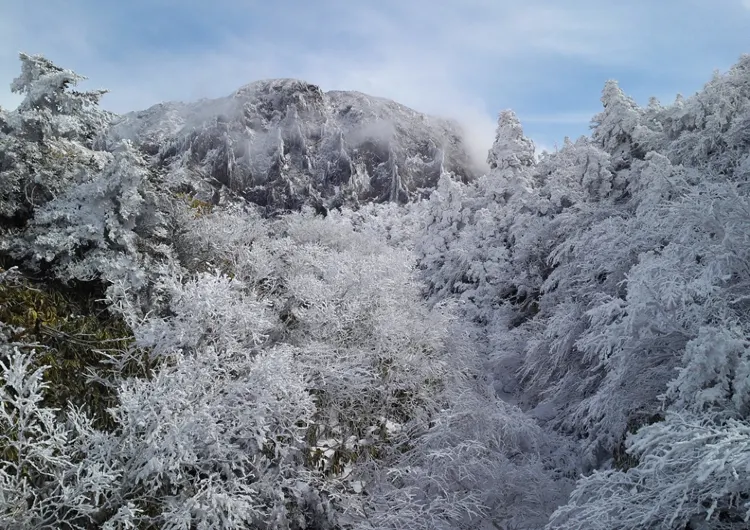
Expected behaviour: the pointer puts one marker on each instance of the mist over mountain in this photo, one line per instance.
(289, 310)
(282, 143)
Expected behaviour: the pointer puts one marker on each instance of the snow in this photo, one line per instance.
(325, 138)
(561, 343)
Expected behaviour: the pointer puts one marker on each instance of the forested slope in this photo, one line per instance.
(560, 344)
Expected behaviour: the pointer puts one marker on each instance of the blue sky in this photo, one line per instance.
(465, 59)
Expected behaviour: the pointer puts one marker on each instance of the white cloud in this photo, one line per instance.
(462, 58)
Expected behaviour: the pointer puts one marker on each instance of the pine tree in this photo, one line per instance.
(46, 143)
(613, 128)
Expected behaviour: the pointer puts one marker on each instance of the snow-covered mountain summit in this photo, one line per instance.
(282, 143)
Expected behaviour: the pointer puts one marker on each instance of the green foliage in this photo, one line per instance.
(72, 333)
(198, 207)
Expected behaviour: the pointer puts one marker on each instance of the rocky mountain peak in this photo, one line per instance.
(282, 143)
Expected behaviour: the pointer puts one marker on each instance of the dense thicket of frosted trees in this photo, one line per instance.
(613, 275)
(561, 344)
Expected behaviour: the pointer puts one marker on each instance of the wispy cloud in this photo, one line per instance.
(465, 59)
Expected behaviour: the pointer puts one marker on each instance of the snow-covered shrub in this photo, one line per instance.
(49, 476)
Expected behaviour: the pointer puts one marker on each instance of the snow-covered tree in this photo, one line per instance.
(455, 363)
(692, 474)
(111, 228)
(511, 149)
(672, 340)
(613, 128)
(478, 240)
(46, 143)
(636, 254)
(579, 172)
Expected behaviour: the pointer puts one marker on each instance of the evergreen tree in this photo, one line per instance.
(46, 143)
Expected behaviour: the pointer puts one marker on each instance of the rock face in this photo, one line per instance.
(283, 143)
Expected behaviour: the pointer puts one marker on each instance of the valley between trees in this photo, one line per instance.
(560, 343)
